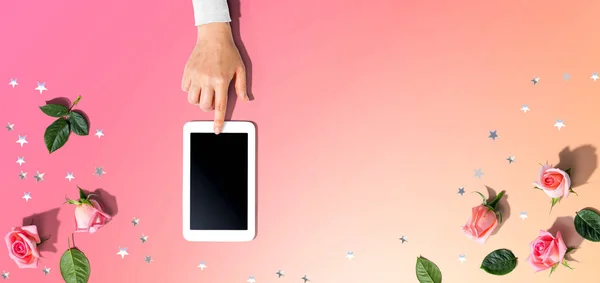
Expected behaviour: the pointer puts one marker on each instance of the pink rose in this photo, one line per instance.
(89, 216)
(22, 246)
(546, 251)
(554, 182)
(481, 225)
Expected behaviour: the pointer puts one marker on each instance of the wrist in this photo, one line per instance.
(214, 31)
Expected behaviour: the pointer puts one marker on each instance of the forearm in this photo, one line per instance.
(211, 11)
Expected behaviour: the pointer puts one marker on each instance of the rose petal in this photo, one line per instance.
(31, 245)
(32, 231)
(562, 247)
(537, 267)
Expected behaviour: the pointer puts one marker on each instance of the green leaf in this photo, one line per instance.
(553, 269)
(568, 171)
(587, 225)
(427, 271)
(483, 197)
(79, 125)
(570, 250)
(81, 194)
(573, 192)
(56, 134)
(74, 266)
(554, 202)
(566, 264)
(499, 262)
(499, 215)
(537, 188)
(55, 110)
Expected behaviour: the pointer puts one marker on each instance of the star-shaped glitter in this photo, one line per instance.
(26, 196)
(523, 215)
(566, 77)
(99, 172)
(462, 258)
(560, 124)
(70, 176)
(461, 191)
(478, 173)
(148, 259)
(135, 221)
(22, 175)
(305, 278)
(46, 270)
(403, 239)
(493, 135)
(41, 87)
(22, 140)
(122, 252)
(5, 275)
(202, 265)
(279, 273)
(21, 160)
(10, 126)
(594, 76)
(39, 176)
(99, 133)
(13, 83)
(525, 108)
(535, 80)
(350, 255)
(251, 279)
(143, 238)
(510, 159)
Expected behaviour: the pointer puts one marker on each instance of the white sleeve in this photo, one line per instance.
(211, 11)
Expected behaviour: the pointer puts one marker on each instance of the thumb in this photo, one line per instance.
(240, 84)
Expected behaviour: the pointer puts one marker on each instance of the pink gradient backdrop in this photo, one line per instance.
(370, 115)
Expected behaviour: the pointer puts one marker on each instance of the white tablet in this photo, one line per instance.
(219, 197)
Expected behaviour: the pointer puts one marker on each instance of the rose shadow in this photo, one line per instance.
(503, 207)
(47, 225)
(108, 201)
(572, 239)
(583, 161)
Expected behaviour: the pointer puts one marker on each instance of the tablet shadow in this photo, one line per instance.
(236, 14)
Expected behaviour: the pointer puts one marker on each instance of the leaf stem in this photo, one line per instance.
(43, 240)
(495, 201)
(75, 102)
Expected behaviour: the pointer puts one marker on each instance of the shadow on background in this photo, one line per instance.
(47, 225)
(565, 225)
(236, 14)
(503, 206)
(582, 161)
(108, 201)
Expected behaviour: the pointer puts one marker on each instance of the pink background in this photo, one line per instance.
(370, 116)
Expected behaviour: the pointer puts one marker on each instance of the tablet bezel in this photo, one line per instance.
(220, 235)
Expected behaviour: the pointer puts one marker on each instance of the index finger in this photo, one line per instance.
(220, 108)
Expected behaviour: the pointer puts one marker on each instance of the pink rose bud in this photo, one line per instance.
(22, 246)
(89, 216)
(554, 182)
(546, 251)
(481, 225)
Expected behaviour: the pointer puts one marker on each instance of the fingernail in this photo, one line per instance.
(217, 130)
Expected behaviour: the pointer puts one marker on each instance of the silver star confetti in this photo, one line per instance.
(461, 191)
(478, 173)
(279, 273)
(46, 270)
(22, 140)
(535, 80)
(462, 258)
(525, 108)
(70, 176)
(148, 259)
(493, 135)
(41, 87)
(99, 133)
(202, 265)
(22, 175)
(566, 77)
(21, 160)
(10, 126)
(350, 255)
(510, 159)
(523, 215)
(594, 76)
(26, 196)
(305, 278)
(560, 124)
(39, 176)
(143, 238)
(251, 279)
(122, 252)
(403, 239)
(99, 172)
(13, 83)
(5, 275)
(135, 221)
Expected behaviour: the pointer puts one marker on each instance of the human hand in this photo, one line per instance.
(214, 62)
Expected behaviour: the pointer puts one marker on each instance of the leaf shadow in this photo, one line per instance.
(47, 225)
(60, 101)
(572, 239)
(582, 160)
(503, 206)
(106, 200)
